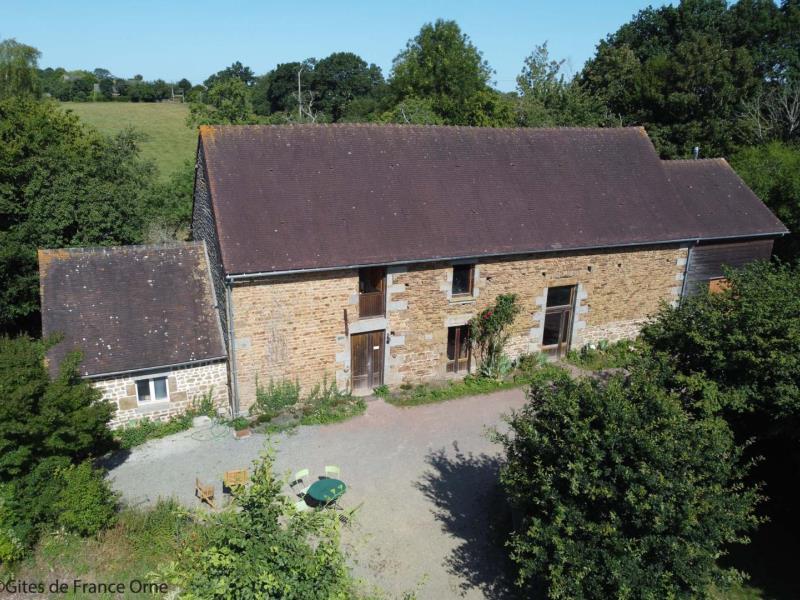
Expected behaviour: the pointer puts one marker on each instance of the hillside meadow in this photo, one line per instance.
(168, 140)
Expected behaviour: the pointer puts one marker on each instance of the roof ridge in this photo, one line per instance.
(694, 160)
(407, 126)
(90, 249)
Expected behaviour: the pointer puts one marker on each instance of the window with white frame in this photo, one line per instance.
(152, 390)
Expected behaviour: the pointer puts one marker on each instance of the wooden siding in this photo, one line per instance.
(706, 261)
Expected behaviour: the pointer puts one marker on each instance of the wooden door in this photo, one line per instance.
(366, 360)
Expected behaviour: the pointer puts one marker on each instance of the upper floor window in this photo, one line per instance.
(371, 292)
(152, 390)
(463, 276)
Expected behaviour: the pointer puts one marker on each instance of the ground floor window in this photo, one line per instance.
(458, 349)
(152, 390)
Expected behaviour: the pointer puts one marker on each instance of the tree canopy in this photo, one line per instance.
(61, 184)
(442, 64)
(18, 74)
(685, 71)
(621, 492)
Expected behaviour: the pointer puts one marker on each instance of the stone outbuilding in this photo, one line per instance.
(358, 253)
(146, 323)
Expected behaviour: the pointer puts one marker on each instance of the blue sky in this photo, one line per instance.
(169, 40)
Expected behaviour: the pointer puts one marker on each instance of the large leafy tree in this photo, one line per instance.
(341, 78)
(773, 172)
(441, 64)
(547, 98)
(61, 184)
(746, 340)
(621, 492)
(227, 103)
(685, 71)
(236, 71)
(18, 70)
(276, 91)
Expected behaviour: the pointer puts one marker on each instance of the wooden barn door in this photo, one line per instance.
(366, 360)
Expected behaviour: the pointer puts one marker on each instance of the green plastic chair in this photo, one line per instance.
(299, 479)
(332, 472)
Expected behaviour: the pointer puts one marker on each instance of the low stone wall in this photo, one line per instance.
(187, 385)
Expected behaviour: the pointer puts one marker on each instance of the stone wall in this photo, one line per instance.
(187, 386)
(293, 326)
(204, 228)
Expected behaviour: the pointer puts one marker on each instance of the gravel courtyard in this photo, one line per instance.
(426, 476)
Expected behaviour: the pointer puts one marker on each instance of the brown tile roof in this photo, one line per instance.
(718, 200)
(130, 308)
(319, 196)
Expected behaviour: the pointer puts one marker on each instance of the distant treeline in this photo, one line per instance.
(101, 85)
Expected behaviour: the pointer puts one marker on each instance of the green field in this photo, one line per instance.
(168, 140)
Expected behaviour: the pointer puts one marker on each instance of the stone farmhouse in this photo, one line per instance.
(358, 254)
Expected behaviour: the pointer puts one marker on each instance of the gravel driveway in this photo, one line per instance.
(426, 476)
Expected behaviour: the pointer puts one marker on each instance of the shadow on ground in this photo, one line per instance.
(471, 508)
(771, 558)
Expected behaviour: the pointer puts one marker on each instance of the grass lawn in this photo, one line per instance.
(169, 142)
(140, 542)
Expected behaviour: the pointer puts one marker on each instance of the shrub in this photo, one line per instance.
(275, 398)
(746, 340)
(154, 530)
(43, 416)
(622, 493)
(145, 430)
(489, 337)
(328, 404)
(11, 547)
(205, 406)
(604, 355)
(239, 423)
(260, 547)
(86, 503)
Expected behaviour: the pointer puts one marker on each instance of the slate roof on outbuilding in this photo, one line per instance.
(717, 198)
(301, 197)
(130, 308)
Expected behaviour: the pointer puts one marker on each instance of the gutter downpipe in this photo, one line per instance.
(686, 270)
(232, 352)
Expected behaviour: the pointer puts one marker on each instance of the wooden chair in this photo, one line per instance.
(299, 479)
(332, 472)
(204, 492)
(234, 478)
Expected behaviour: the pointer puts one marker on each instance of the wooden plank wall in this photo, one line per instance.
(706, 260)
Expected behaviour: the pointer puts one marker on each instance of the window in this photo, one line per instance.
(371, 284)
(458, 349)
(462, 279)
(152, 390)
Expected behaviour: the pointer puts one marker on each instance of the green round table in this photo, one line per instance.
(325, 491)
